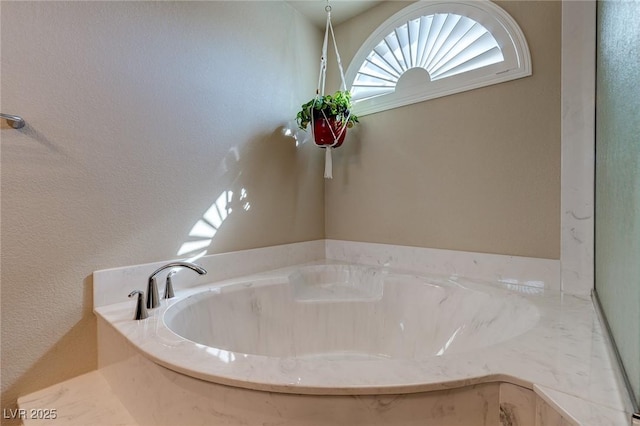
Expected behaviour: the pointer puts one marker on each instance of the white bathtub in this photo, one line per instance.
(345, 314)
(331, 329)
(338, 344)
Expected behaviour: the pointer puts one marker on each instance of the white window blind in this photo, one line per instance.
(460, 45)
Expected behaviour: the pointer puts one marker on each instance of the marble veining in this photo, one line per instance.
(514, 270)
(578, 146)
(349, 312)
(565, 351)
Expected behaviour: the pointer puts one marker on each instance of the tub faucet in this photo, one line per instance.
(141, 311)
(168, 287)
(153, 299)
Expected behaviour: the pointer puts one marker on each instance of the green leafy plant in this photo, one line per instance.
(337, 105)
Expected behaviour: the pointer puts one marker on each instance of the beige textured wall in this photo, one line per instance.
(475, 171)
(140, 114)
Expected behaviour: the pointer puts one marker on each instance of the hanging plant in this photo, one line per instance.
(329, 115)
(336, 106)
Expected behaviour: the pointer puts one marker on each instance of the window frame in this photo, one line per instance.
(497, 21)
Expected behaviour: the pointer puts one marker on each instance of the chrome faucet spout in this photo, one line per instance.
(199, 269)
(153, 299)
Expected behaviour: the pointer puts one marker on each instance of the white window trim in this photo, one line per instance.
(501, 25)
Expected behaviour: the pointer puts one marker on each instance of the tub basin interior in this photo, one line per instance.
(349, 312)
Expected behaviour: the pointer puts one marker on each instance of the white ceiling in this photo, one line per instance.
(341, 10)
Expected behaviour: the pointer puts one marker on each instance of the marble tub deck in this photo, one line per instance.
(564, 359)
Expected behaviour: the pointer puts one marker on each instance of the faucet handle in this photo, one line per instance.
(141, 309)
(168, 289)
(153, 299)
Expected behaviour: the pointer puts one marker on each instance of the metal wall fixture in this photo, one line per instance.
(14, 121)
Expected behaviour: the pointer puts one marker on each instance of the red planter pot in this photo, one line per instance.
(324, 130)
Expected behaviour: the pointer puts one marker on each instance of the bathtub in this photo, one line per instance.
(342, 344)
(346, 314)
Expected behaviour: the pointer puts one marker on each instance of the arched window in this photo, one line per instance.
(436, 48)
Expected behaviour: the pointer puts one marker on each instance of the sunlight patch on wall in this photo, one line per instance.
(205, 229)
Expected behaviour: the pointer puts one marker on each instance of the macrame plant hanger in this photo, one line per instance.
(336, 134)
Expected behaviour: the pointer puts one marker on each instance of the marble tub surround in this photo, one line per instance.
(90, 399)
(578, 145)
(559, 408)
(477, 405)
(515, 270)
(197, 402)
(485, 404)
(113, 285)
(564, 351)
